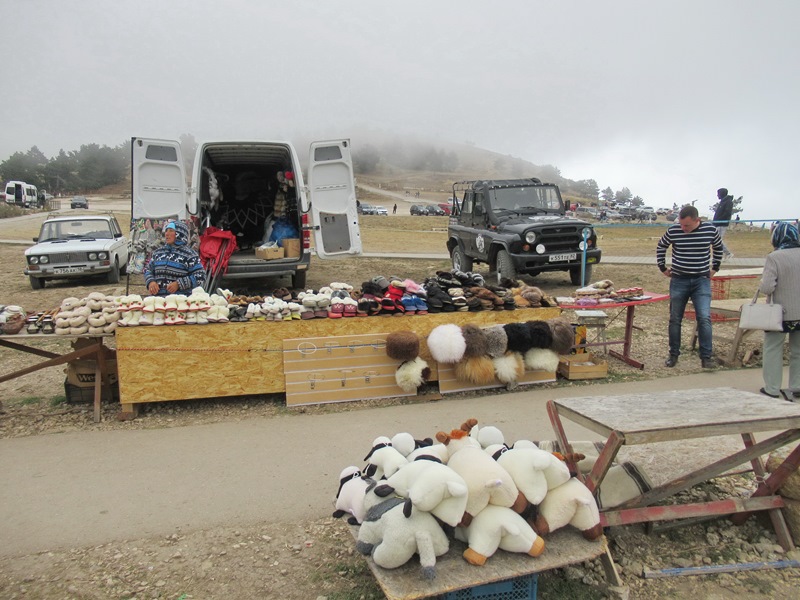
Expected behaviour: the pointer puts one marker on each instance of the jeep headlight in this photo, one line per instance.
(582, 245)
(540, 248)
(92, 255)
(586, 232)
(102, 255)
(530, 237)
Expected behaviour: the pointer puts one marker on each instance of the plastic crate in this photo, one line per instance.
(520, 588)
(720, 289)
(76, 394)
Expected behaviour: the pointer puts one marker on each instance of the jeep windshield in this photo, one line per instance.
(525, 200)
(72, 230)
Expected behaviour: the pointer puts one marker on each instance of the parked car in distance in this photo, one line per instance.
(70, 247)
(447, 207)
(614, 215)
(587, 211)
(433, 210)
(380, 210)
(418, 210)
(79, 202)
(672, 215)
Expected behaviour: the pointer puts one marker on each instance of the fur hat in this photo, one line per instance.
(402, 345)
(541, 359)
(412, 374)
(541, 334)
(496, 341)
(563, 335)
(475, 369)
(509, 367)
(370, 287)
(519, 337)
(476, 341)
(446, 343)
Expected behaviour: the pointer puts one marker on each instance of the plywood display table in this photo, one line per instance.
(85, 347)
(687, 414)
(184, 362)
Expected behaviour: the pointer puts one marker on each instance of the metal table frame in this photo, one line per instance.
(677, 415)
(630, 313)
(96, 349)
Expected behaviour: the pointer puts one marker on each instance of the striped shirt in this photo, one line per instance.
(691, 252)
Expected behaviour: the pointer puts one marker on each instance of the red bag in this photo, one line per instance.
(214, 251)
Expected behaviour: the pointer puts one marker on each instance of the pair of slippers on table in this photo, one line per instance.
(343, 307)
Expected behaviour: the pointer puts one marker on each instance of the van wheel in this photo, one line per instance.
(113, 274)
(461, 262)
(36, 283)
(575, 275)
(299, 280)
(505, 266)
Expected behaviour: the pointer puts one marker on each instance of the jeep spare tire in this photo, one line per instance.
(461, 262)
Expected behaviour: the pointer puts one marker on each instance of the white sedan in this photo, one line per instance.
(69, 247)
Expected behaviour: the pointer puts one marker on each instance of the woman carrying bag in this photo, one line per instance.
(781, 280)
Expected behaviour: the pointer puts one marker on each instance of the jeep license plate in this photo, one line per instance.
(561, 257)
(67, 270)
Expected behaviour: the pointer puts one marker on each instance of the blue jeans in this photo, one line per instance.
(698, 289)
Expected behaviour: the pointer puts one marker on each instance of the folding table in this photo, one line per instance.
(686, 414)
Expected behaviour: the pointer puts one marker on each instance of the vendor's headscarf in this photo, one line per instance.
(181, 232)
(784, 235)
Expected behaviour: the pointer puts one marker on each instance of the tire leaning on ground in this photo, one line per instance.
(575, 275)
(505, 266)
(461, 262)
(113, 274)
(36, 283)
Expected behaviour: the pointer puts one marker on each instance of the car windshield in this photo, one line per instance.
(78, 229)
(526, 199)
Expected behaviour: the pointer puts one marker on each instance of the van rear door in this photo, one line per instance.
(333, 199)
(158, 179)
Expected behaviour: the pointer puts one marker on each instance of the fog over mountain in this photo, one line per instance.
(671, 99)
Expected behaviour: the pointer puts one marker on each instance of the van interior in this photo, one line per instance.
(249, 190)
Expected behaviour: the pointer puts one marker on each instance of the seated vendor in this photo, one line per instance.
(174, 268)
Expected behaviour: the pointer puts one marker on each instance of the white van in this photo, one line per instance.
(254, 189)
(21, 194)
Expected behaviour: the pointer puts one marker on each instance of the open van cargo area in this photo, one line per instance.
(257, 194)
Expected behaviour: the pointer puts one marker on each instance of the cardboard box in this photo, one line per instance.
(292, 247)
(269, 253)
(582, 366)
(80, 373)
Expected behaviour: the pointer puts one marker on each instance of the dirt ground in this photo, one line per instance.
(316, 559)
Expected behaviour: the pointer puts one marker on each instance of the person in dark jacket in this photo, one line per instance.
(174, 268)
(722, 217)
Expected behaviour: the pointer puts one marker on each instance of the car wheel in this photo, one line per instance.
(299, 279)
(505, 266)
(36, 283)
(113, 274)
(575, 275)
(461, 262)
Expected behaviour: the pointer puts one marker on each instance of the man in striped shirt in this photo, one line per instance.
(693, 266)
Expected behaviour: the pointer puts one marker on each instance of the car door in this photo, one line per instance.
(332, 191)
(158, 179)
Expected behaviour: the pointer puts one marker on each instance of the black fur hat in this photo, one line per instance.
(519, 337)
(370, 287)
(541, 334)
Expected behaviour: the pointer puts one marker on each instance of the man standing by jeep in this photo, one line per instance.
(722, 217)
(693, 266)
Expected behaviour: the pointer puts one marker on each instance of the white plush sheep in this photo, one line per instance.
(383, 460)
(498, 527)
(350, 496)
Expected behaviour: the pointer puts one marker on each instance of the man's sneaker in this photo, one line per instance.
(708, 363)
(671, 361)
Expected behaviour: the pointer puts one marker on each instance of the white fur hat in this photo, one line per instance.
(446, 343)
(541, 359)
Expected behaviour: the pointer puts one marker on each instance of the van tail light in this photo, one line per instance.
(306, 232)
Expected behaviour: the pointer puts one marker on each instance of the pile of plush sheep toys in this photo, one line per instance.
(415, 496)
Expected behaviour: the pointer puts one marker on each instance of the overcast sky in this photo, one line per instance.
(672, 99)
